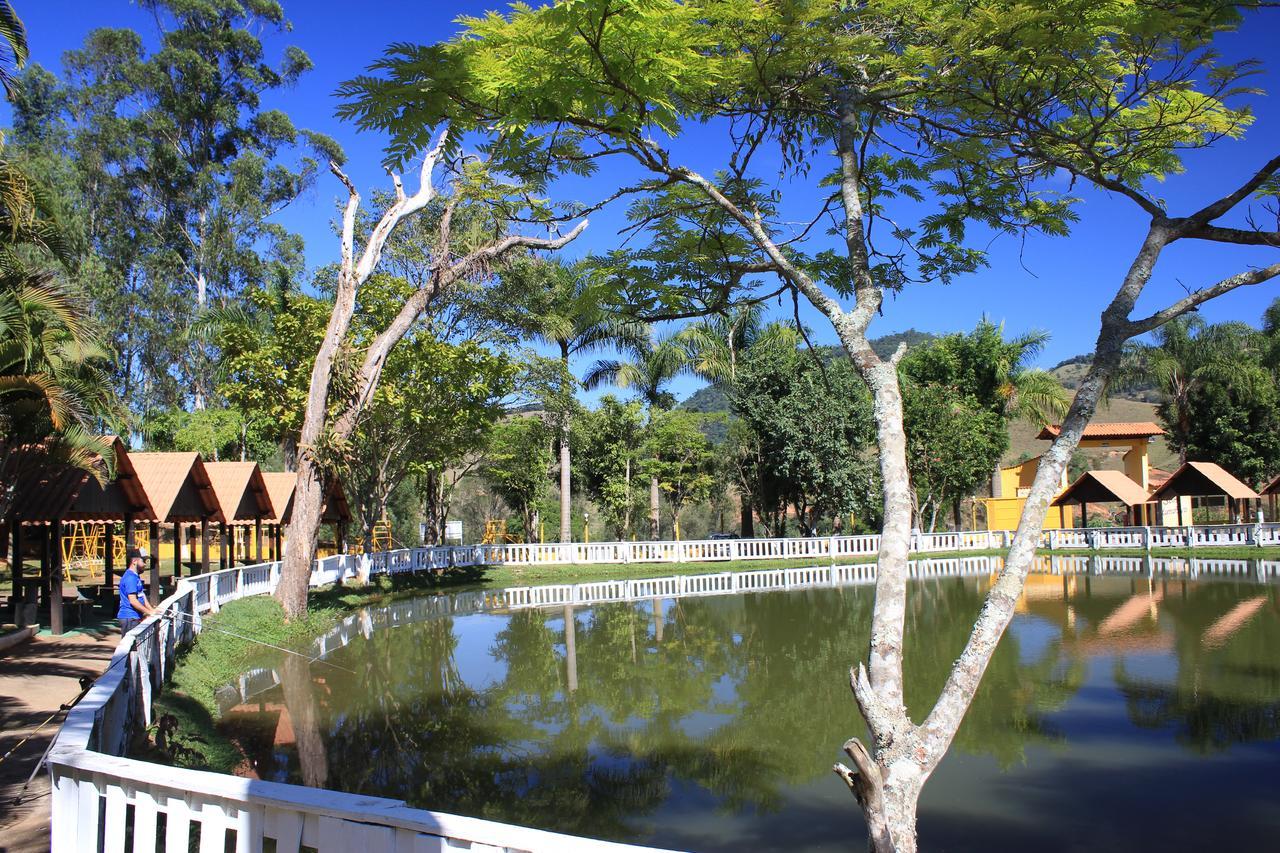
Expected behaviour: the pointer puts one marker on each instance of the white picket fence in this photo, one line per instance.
(101, 798)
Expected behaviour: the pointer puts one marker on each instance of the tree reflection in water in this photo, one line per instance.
(586, 720)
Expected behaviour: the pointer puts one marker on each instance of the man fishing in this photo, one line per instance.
(133, 598)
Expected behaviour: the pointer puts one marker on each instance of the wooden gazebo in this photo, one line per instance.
(242, 494)
(50, 496)
(181, 493)
(281, 486)
(1098, 487)
(1205, 479)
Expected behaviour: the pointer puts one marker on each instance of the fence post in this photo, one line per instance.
(1146, 538)
(1190, 533)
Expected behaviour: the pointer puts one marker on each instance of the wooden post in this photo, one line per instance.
(177, 550)
(109, 554)
(1178, 500)
(155, 561)
(257, 538)
(229, 533)
(54, 540)
(128, 538)
(342, 537)
(15, 562)
(222, 551)
(204, 545)
(45, 589)
(279, 542)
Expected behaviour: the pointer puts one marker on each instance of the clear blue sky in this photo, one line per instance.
(1059, 284)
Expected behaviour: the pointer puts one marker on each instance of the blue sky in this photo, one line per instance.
(1054, 284)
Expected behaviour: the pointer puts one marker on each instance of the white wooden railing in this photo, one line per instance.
(100, 797)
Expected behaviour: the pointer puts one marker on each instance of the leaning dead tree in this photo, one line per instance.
(329, 423)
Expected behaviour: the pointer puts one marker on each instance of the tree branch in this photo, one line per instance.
(1190, 301)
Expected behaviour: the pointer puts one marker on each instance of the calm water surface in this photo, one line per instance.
(1118, 714)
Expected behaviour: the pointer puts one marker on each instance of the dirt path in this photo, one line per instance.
(35, 678)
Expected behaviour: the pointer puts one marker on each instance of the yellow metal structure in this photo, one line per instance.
(382, 534)
(495, 533)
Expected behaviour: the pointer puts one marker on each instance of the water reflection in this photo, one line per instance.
(710, 723)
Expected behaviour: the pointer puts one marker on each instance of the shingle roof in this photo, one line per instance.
(1123, 430)
(48, 492)
(1103, 487)
(1272, 488)
(1200, 479)
(240, 489)
(178, 486)
(280, 487)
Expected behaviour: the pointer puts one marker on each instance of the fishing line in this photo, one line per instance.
(316, 659)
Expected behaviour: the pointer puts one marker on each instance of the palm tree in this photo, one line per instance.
(653, 365)
(1187, 354)
(572, 317)
(13, 46)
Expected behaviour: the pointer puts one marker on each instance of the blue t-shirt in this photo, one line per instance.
(130, 584)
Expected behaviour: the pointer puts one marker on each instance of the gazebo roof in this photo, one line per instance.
(1100, 487)
(240, 490)
(281, 485)
(1272, 488)
(1203, 479)
(1125, 431)
(178, 486)
(50, 492)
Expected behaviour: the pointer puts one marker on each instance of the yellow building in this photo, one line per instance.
(1011, 484)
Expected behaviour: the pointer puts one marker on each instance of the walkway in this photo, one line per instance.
(35, 678)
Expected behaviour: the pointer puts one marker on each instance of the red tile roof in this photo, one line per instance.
(178, 486)
(1130, 430)
(1103, 487)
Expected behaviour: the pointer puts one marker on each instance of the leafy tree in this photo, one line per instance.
(681, 458)
(992, 371)
(649, 372)
(1186, 355)
(609, 441)
(1233, 418)
(966, 388)
(813, 436)
(177, 170)
(516, 463)
(953, 443)
(911, 121)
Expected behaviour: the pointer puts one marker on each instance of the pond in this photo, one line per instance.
(1121, 712)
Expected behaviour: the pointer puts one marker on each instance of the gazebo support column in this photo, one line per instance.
(155, 560)
(109, 554)
(257, 538)
(204, 546)
(54, 540)
(177, 551)
(15, 563)
(222, 550)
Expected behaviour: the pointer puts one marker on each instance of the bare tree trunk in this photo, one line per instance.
(654, 525)
(566, 496)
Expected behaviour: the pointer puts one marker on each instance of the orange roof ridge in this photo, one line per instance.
(1119, 429)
